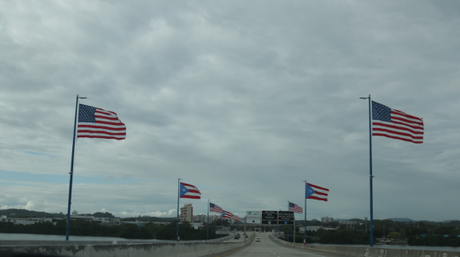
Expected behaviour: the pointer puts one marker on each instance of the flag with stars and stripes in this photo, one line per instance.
(95, 122)
(387, 122)
(295, 208)
(215, 208)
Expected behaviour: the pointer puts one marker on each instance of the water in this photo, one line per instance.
(38, 237)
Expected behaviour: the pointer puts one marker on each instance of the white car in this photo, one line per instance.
(257, 239)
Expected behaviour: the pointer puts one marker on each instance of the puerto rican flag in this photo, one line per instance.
(227, 214)
(189, 191)
(316, 192)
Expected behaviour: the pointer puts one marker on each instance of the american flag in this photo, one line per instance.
(95, 122)
(189, 191)
(387, 122)
(215, 208)
(227, 215)
(317, 192)
(295, 208)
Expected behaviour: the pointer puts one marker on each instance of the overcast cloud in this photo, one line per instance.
(243, 99)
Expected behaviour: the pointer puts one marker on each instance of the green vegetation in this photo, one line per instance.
(424, 233)
(20, 213)
(408, 232)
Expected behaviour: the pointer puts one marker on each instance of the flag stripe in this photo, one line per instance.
(395, 137)
(191, 197)
(317, 198)
(88, 132)
(104, 137)
(395, 128)
(383, 132)
(102, 128)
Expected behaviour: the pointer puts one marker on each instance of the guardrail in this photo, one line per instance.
(369, 251)
(124, 248)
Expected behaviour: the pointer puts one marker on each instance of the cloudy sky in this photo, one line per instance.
(243, 99)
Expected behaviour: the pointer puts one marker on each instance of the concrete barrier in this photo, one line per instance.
(360, 251)
(97, 249)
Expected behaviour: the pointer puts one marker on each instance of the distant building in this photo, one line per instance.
(200, 218)
(186, 213)
(314, 228)
(326, 219)
(213, 218)
(197, 225)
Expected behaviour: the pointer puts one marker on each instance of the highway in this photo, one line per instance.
(267, 247)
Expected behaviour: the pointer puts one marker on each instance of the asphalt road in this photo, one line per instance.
(267, 247)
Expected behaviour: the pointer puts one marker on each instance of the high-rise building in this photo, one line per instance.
(186, 213)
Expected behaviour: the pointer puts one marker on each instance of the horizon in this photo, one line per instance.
(174, 217)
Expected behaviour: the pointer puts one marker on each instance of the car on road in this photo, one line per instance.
(237, 236)
(257, 239)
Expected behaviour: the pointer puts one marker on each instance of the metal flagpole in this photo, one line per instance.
(245, 221)
(207, 226)
(279, 226)
(370, 172)
(293, 223)
(71, 167)
(221, 217)
(305, 219)
(178, 197)
(293, 230)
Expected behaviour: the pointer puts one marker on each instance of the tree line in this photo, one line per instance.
(411, 233)
(128, 231)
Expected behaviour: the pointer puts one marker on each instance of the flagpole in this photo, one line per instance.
(178, 197)
(293, 230)
(293, 225)
(305, 216)
(207, 226)
(288, 224)
(370, 173)
(245, 221)
(71, 167)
